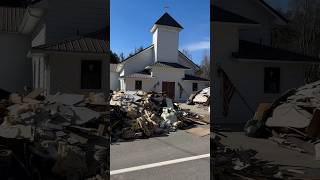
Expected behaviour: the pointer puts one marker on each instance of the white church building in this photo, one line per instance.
(243, 48)
(160, 67)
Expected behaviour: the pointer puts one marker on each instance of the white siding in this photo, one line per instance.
(166, 42)
(251, 9)
(15, 67)
(147, 84)
(114, 81)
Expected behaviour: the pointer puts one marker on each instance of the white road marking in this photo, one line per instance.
(163, 163)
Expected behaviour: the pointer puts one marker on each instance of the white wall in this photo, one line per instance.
(41, 72)
(183, 61)
(147, 84)
(187, 85)
(138, 62)
(114, 77)
(166, 42)
(249, 80)
(160, 74)
(123, 84)
(251, 9)
(114, 81)
(65, 72)
(15, 67)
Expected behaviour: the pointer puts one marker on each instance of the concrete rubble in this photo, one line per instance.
(201, 97)
(139, 114)
(292, 121)
(61, 136)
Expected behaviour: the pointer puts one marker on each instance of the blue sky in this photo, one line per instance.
(131, 21)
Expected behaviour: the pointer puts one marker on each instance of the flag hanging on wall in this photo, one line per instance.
(228, 90)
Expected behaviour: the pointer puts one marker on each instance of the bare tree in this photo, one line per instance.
(302, 34)
(187, 53)
(136, 50)
(205, 66)
(121, 57)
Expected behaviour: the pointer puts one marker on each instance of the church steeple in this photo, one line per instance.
(166, 38)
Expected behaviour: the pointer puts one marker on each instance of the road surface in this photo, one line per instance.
(178, 156)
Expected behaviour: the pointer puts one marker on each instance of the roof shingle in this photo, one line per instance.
(167, 20)
(194, 78)
(220, 15)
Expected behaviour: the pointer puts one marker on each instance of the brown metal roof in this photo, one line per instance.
(274, 11)
(169, 65)
(80, 45)
(18, 3)
(251, 50)
(221, 15)
(194, 78)
(11, 18)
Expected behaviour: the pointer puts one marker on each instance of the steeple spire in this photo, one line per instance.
(165, 6)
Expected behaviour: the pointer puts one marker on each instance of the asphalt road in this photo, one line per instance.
(177, 145)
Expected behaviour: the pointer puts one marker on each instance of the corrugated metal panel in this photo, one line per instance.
(10, 18)
(80, 45)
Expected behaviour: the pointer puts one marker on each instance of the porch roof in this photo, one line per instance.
(79, 45)
(145, 74)
(194, 78)
(253, 51)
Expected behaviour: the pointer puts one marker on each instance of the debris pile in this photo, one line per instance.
(200, 97)
(138, 114)
(61, 136)
(229, 163)
(292, 121)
